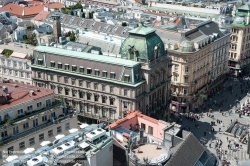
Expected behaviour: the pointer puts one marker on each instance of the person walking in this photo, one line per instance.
(227, 139)
(205, 133)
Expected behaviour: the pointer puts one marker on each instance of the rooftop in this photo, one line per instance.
(87, 56)
(19, 93)
(41, 16)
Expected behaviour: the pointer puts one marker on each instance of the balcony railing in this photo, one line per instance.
(12, 138)
(58, 103)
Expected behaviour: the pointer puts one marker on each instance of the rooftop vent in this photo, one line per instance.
(59, 148)
(99, 129)
(93, 133)
(67, 144)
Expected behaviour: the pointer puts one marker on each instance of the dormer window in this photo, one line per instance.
(104, 73)
(66, 66)
(126, 78)
(52, 64)
(97, 72)
(112, 75)
(40, 62)
(89, 70)
(59, 64)
(81, 69)
(74, 67)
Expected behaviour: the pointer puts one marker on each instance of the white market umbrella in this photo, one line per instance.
(73, 130)
(83, 126)
(59, 136)
(29, 150)
(11, 158)
(45, 143)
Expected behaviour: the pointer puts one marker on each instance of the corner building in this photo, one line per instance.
(104, 88)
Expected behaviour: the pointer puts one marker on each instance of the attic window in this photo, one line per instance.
(126, 78)
(104, 73)
(74, 67)
(59, 64)
(81, 69)
(52, 63)
(66, 66)
(89, 70)
(112, 75)
(40, 62)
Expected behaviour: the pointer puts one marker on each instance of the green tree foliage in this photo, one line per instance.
(72, 36)
(124, 24)
(7, 52)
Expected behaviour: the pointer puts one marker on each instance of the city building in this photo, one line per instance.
(142, 140)
(104, 87)
(199, 64)
(29, 9)
(15, 68)
(89, 147)
(239, 52)
(29, 116)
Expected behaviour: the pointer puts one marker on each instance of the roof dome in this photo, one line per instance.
(142, 43)
(187, 46)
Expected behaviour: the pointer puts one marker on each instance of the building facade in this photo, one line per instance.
(29, 116)
(199, 65)
(15, 68)
(239, 51)
(105, 87)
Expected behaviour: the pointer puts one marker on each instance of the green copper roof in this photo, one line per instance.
(87, 56)
(143, 41)
(142, 30)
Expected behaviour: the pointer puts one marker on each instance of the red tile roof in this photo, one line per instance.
(41, 16)
(20, 93)
(29, 10)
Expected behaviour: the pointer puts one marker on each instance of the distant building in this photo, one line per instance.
(239, 52)
(16, 68)
(91, 146)
(29, 116)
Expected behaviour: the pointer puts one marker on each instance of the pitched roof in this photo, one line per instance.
(29, 10)
(245, 7)
(188, 152)
(18, 55)
(41, 16)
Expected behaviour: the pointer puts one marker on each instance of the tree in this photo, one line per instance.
(72, 13)
(7, 52)
(83, 15)
(72, 36)
(124, 24)
(78, 6)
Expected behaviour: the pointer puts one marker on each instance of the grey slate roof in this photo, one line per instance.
(188, 152)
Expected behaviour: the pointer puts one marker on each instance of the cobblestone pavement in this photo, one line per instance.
(205, 122)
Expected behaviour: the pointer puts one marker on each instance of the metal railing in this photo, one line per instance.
(4, 126)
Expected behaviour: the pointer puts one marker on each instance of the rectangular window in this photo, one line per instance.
(96, 87)
(59, 129)
(66, 66)
(97, 72)
(59, 65)
(111, 101)
(21, 145)
(104, 99)
(65, 80)
(96, 98)
(35, 122)
(32, 141)
(74, 68)
(111, 90)
(22, 75)
(186, 69)
(88, 96)
(89, 108)
(15, 64)
(73, 81)
(150, 130)
(126, 78)
(52, 77)
(41, 137)
(26, 125)
(74, 92)
(112, 75)
(104, 74)
(143, 126)
(81, 94)
(67, 126)
(89, 70)
(30, 108)
(185, 79)
(44, 118)
(39, 75)
(103, 88)
(40, 62)
(50, 133)
(4, 134)
(125, 104)
(125, 92)
(16, 73)
(80, 82)
(39, 105)
(175, 78)
(81, 69)
(20, 112)
(88, 85)
(52, 64)
(66, 91)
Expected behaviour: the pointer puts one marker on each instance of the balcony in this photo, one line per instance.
(29, 115)
(12, 138)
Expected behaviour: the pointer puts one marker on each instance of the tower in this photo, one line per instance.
(56, 26)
